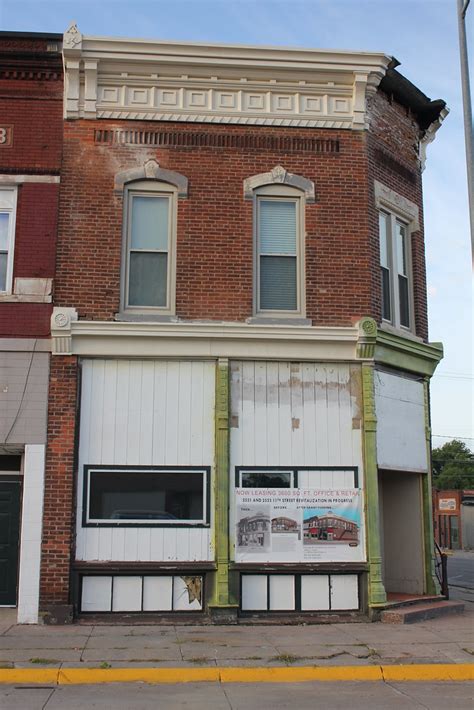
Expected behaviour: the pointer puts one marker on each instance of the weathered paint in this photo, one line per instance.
(145, 412)
(432, 584)
(221, 592)
(401, 429)
(267, 398)
(376, 590)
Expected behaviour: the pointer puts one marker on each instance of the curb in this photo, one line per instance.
(298, 674)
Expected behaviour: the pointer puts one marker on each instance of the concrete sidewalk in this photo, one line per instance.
(448, 640)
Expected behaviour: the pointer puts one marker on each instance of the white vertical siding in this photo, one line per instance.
(297, 414)
(144, 412)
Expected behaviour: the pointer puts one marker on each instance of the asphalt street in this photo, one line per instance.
(242, 696)
(461, 569)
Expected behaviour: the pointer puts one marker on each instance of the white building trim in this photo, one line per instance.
(217, 83)
(31, 533)
(71, 336)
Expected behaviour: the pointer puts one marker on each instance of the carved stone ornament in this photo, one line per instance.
(393, 201)
(151, 171)
(61, 330)
(367, 338)
(72, 38)
(62, 320)
(151, 167)
(278, 175)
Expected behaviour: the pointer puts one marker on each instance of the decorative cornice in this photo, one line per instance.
(429, 136)
(198, 340)
(279, 176)
(151, 171)
(173, 81)
(396, 350)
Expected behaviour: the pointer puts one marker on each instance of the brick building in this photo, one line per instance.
(239, 330)
(31, 92)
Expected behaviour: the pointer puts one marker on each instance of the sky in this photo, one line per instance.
(423, 36)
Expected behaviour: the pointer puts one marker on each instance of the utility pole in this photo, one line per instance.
(468, 125)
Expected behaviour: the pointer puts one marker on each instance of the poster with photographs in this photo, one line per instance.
(298, 525)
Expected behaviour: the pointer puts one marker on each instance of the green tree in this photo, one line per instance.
(453, 466)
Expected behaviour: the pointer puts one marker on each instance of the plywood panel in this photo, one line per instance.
(314, 592)
(401, 436)
(344, 592)
(157, 593)
(127, 594)
(144, 412)
(96, 593)
(254, 592)
(282, 592)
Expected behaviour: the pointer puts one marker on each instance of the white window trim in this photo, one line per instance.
(11, 210)
(399, 209)
(158, 189)
(292, 194)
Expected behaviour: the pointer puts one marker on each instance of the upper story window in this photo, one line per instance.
(279, 217)
(8, 198)
(398, 218)
(149, 239)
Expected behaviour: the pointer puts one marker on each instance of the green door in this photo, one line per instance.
(9, 539)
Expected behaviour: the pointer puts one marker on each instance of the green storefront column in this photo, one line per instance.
(431, 581)
(222, 605)
(376, 590)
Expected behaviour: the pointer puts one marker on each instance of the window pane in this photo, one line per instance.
(277, 227)
(384, 224)
(138, 495)
(3, 271)
(401, 249)
(150, 224)
(266, 479)
(278, 283)
(148, 279)
(4, 217)
(386, 310)
(404, 305)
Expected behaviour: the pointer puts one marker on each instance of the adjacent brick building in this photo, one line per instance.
(31, 96)
(240, 330)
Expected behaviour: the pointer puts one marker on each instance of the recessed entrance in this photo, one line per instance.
(401, 530)
(9, 539)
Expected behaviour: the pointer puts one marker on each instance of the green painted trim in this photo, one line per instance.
(397, 351)
(376, 591)
(221, 594)
(431, 581)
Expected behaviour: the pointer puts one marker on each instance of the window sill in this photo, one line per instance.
(279, 320)
(24, 298)
(146, 317)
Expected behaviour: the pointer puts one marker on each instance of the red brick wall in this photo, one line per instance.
(59, 484)
(31, 102)
(395, 133)
(214, 246)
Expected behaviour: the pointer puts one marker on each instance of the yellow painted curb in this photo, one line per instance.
(299, 674)
(294, 674)
(76, 676)
(48, 676)
(430, 672)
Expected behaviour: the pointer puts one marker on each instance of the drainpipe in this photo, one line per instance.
(468, 125)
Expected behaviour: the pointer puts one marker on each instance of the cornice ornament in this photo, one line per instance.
(393, 201)
(72, 38)
(151, 170)
(367, 338)
(279, 176)
(61, 330)
(430, 135)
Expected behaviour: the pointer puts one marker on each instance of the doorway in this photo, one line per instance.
(10, 495)
(401, 529)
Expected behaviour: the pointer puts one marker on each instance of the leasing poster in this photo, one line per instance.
(298, 525)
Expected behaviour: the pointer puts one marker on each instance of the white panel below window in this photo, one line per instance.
(127, 595)
(157, 593)
(344, 592)
(96, 593)
(254, 592)
(314, 592)
(187, 598)
(282, 592)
